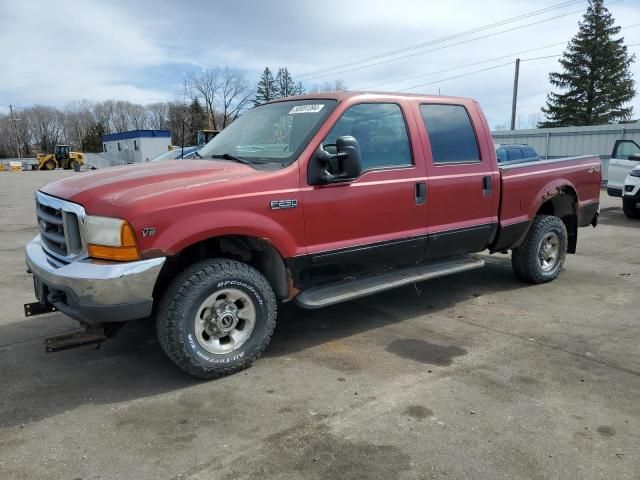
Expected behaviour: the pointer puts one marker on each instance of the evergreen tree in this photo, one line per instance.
(284, 84)
(266, 88)
(197, 120)
(596, 84)
(92, 142)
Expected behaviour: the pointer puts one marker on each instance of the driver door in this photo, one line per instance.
(379, 220)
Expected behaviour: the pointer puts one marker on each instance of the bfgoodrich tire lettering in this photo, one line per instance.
(540, 258)
(181, 306)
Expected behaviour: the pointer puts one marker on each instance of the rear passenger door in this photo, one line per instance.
(462, 181)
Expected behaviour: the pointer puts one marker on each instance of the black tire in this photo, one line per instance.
(49, 165)
(526, 260)
(184, 298)
(629, 208)
(73, 164)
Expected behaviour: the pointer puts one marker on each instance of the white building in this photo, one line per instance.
(136, 145)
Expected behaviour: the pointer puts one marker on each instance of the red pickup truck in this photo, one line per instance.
(319, 199)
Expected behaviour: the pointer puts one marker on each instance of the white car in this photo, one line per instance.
(626, 156)
(631, 194)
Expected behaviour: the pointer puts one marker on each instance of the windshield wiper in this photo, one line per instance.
(228, 156)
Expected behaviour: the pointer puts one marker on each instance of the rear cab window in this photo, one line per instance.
(451, 134)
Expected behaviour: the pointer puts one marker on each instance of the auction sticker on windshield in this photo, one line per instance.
(306, 109)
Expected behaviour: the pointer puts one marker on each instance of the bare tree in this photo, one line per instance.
(138, 116)
(158, 114)
(327, 86)
(104, 113)
(235, 95)
(78, 121)
(45, 126)
(121, 119)
(177, 118)
(206, 84)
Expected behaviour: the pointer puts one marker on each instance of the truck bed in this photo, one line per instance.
(525, 186)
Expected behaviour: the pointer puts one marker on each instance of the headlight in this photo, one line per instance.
(635, 172)
(110, 239)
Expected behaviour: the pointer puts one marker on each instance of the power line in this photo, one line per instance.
(464, 42)
(484, 70)
(540, 58)
(486, 61)
(461, 66)
(456, 76)
(444, 39)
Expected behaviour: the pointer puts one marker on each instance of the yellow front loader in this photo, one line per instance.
(60, 158)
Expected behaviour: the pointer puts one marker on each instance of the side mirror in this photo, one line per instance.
(342, 166)
(634, 157)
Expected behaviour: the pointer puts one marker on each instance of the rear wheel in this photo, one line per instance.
(49, 165)
(74, 165)
(629, 208)
(216, 318)
(540, 258)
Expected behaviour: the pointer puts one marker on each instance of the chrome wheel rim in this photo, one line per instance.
(224, 321)
(549, 251)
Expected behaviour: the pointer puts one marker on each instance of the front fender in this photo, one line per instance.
(202, 226)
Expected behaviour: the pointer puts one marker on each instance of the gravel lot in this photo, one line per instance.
(470, 376)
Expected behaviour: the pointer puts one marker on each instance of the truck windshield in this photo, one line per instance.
(271, 133)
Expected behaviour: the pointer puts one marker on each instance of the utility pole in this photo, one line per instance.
(514, 102)
(184, 112)
(15, 131)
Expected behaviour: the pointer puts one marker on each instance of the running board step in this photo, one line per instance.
(333, 293)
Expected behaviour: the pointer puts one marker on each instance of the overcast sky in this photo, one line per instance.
(55, 52)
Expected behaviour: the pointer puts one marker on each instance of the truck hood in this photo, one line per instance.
(126, 185)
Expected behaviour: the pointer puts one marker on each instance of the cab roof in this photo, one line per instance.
(349, 95)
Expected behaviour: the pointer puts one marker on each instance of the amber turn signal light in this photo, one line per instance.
(127, 251)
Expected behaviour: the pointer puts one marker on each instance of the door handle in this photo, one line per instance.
(421, 193)
(487, 185)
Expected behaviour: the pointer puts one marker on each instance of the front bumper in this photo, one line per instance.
(94, 291)
(632, 191)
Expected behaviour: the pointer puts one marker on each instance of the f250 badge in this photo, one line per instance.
(594, 169)
(148, 232)
(282, 204)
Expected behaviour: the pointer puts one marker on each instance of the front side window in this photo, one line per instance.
(381, 133)
(451, 134)
(273, 133)
(626, 148)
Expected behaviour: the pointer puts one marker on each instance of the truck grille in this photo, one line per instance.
(60, 226)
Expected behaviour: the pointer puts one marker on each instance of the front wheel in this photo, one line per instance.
(49, 165)
(629, 208)
(541, 256)
(216, 318)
